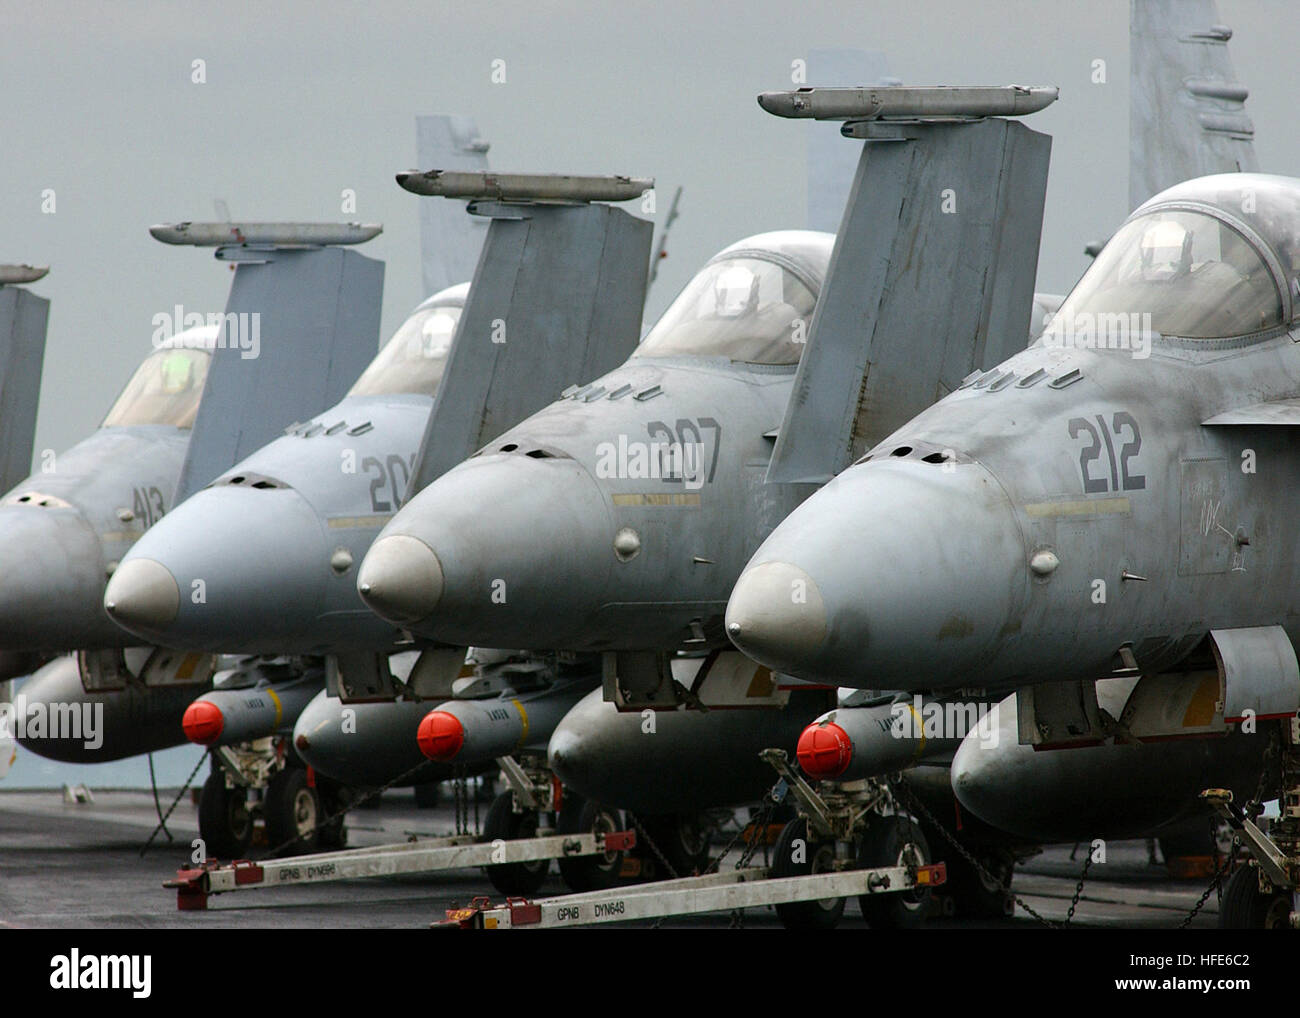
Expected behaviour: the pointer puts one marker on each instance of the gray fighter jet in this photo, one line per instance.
(273, 540)
(1102, 504)
(1182, 79)
(67, 526)
(625, 523)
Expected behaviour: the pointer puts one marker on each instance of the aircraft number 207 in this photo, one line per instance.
(1122, 428)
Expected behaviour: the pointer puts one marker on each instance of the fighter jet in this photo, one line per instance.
(1186, 118)
(181, 418)
(273, 540)
(626, 520)
(613, 496)
(282, 527)
(1100, 504)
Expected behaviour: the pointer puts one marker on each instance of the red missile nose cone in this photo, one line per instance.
(824, 750)
(203, 722)
(441, 735)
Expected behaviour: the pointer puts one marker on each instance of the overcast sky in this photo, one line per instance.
(306, 99)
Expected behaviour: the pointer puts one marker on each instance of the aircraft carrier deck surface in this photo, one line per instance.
(65, 866)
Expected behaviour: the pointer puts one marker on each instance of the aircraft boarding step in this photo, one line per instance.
(194, 885)
(750, 887)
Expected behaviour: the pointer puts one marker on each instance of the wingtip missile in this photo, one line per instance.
(265, 234)
(523, 187)
(22, 273)
(908, 102)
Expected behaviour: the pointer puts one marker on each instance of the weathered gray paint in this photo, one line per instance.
(1111, 791)
(691, 761)
(55, 559)
(556, 299)
(881, 347)
(23, 317)
(319, 313)
(135, 720)
(263, 554)
(550, 532)
(1186, 107)
(923, 568)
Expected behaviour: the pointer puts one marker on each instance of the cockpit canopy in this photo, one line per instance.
(167, 386)
(752, 302)
(414, 359)
(1212, 258)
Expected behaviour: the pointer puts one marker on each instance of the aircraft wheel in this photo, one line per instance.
(293, 811)
(225, 824)
(1245, 908)
(895, 841)
(590, 872)
(974, 896)
(428, 794)
(504, 824)
(333, 798)
(797, 855)
(683, 838)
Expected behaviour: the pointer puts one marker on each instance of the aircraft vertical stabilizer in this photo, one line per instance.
(556, 300)
(23, 317)
(1187, 113)
(933, 269)
(301, 323)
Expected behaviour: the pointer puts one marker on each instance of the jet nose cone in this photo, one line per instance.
(400, 579)
(203, 722)
(504, 550)
(142, 593)
(776, 613)
(894, 574)
(440, 736)
(239, 570)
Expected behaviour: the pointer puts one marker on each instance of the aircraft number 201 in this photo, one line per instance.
(1123, 427)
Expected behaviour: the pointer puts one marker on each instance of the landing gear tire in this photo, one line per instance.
(798, 855)
(1244, 908)
(225, 824)
(895, 841)
(428, 794)
(590, 872)
(503, 823)
(293, 812)
(334, 798)
(974, 896)
(683, 839)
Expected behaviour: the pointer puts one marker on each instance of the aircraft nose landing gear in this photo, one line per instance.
(845, 826)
